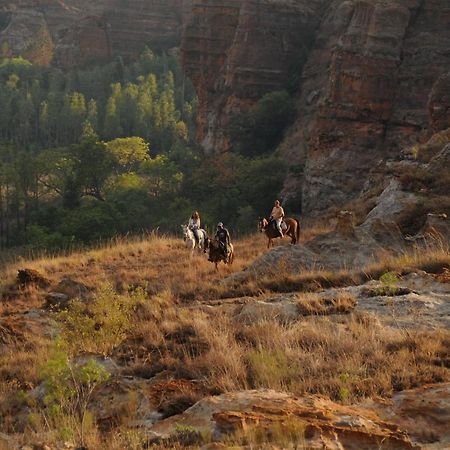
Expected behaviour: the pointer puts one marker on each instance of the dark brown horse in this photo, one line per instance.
(292, 230)
(216, 254)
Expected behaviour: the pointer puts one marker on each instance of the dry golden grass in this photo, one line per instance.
(172, 334)
(156, 263)
(346, 360)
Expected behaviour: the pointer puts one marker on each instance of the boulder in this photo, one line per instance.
(31, 277)
(435, 231)
(391, 204)
(74, 289)
(56, 301)
(124, 400)
(282, 260)
(424, 413)
(317, 422)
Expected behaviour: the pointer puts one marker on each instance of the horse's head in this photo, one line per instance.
(263, 224)
(186, 231)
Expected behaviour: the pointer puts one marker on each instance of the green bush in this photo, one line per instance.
(68, 391)
(261, 129)
(40, 238)
(101, 324)
(92, 221)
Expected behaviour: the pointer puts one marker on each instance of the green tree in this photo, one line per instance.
(112, 127)
(128, 153)
(260, 130)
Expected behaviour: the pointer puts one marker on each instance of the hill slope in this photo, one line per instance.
(156, 331)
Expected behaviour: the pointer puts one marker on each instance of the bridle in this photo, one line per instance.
(263, 222)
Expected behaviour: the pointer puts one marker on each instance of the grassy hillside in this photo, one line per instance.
(149, 311)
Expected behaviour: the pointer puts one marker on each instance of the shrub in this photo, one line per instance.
(68, 391)
(41, 238)
(102, 324)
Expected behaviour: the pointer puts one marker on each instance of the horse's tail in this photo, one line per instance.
(205, 241)
(231, 257)
(297, 232)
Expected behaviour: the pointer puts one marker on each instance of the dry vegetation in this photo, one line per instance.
(154, 299)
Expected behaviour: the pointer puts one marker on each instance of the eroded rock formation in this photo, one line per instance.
(76, 32)
(364, 91)
(326, 424)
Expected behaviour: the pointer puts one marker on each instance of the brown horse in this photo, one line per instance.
(292, 230)
(216, 253)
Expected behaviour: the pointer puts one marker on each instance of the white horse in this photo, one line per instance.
(191, 242)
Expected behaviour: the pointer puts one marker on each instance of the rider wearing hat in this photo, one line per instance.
(223, 236)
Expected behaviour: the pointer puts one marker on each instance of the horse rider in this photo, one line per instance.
(223, 236)
(277, 215)
(194, 225)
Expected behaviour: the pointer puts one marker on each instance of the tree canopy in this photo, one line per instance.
(87, 154)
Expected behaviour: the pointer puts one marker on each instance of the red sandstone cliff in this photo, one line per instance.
(372, 75)
(236, 50)
(375, 75)
(76, 32)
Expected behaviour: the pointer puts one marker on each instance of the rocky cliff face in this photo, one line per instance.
(237, 50)
(374, 71)
(75, 32)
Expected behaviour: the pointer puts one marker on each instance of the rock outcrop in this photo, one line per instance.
(77, 32)
(320, 423)
(373, 71)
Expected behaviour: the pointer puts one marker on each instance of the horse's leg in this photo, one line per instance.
(291, 234)
(294, 236)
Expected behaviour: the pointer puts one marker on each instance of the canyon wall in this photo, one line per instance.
(371, 83)
(372, 76)
(235, 51)
(76, 32)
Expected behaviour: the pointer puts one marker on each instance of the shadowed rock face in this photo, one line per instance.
(439, 104)
(370, 68)
(237, 50)
(83, 31)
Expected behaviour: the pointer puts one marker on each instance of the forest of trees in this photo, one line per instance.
(88, 154)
